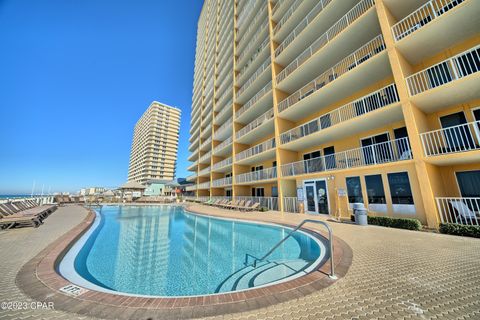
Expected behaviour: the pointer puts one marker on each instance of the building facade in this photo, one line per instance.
(313, 105)
(155, 144)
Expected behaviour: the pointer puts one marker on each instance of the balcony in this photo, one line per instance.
(255, 60)
(271, 203)
(191, 188)
(224, 148)
(445, 84)
(453, 140)
(380, 153)
(206, 145)
(280, 8)
(260, 17)
(256, 176)
(331, 45)
(255, 42)
(291, 18)
(224, 114)
(257, 105)
(255, 82)
(193, 166)
(259, 127)
(435, 26)
(460, 210)
(223, 166)
(192, 177)
(205, 158)
(366, 66)
(204, 172)
(257, 153)
(372, 111)
(220, 183)
(204, 185)
(224, 131)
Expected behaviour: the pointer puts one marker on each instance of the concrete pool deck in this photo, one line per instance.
(395, 274)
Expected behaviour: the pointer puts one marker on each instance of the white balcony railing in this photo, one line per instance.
(363, 54)
(206, 142)
(253, 41)
(222, 164)
(385, 152)
(191, 188)
(223, 144)
(222, 182)
(254, 76)
(204, 171)
(254, 99)
(206, 156)
(459, 138)
(422, 16)
(261, 47)
(260, 175)
(257, 149)
(271, 203)
(224, 128)
(302, 25)
(455, 68)
(255, 123)
(291, 204)
(325, 38)
(379, 99)
(459, 210)
(204, 185)
(287, 16)
(192, 177)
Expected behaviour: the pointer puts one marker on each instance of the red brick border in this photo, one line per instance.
(39, 279)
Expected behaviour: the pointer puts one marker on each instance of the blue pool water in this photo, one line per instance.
(167, 251)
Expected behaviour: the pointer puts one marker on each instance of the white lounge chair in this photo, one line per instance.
(464, 212)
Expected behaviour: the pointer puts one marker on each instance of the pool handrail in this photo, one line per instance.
(330, 242)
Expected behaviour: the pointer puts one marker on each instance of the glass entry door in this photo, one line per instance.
(316, 196)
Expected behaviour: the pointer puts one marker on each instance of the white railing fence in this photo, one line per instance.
(267, 88)
(459, 138)
(363, 54)
(264, 174)
(37, 199)
(444, 72)
(291, 204)
(422, 16)
(265, 202)
(390, 151)
(459, 210)
(255, 123)
(223, 163)
(379, 99)
(259, 148)
(222, 182)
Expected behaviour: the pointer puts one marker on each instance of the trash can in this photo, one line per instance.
(360, 213)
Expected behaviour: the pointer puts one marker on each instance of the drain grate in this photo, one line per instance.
(73, 290)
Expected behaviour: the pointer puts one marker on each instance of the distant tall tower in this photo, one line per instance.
(155, 144)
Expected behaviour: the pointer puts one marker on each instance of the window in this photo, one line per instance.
(400, 190)
(274, 191)
(375, 191)
(469, 183)
(354, 190)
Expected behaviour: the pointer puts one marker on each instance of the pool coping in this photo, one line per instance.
(40, 280)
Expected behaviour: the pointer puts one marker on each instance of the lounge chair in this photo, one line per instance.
(465, 214)
(226, 205)
(245, 205)
(208, 202)
(253, 207)
(233, 205)
(9, 220)
(221, 203)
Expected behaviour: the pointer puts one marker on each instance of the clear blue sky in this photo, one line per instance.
(75, 76)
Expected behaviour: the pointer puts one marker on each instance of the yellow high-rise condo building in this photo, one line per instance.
(314, 105)
(155, 144)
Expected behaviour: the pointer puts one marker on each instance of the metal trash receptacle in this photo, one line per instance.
(360, 213)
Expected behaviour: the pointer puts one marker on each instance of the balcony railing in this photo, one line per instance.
(444, 72)
(223, 144)
(379, 99)
(260, 175)
(287, 16)
(252, 42)
(379, 153)
(325, 38)
(206, 156)
(254, 76)
(363, 54)
(204, 171)
(192, 177)
(222, 182)
(459, 210)
(191, 188)
(255, 123)
(302, 25)
(204, 185)
(223, 163)
(271, 203)
(261, 15)
(257, 149)
(206, 142)
(261, 47)
(422, 16)
(254, 99)
(291, 204)
(459, 138)
(225, 127)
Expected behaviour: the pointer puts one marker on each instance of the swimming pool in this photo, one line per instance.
(168, 251)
